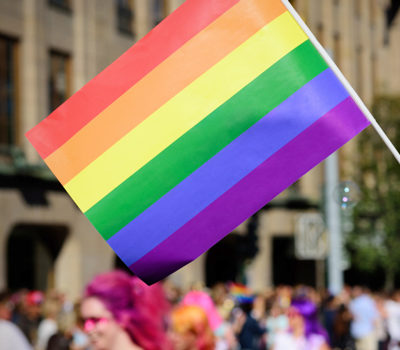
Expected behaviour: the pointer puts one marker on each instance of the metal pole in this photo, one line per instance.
(335, 271)
(343, 80)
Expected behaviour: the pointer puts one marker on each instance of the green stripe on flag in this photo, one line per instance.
(206, 139)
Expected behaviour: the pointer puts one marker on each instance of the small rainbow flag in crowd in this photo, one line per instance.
(241, 293)
(195, 128)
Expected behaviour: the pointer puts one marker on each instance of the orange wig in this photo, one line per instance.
(192, 320)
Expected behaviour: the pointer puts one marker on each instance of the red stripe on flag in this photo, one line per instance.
(133, 65)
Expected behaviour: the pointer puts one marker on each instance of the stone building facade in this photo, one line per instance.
(50, 48)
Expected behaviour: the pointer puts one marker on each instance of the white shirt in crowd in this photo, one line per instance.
(46, 329)
(392, 309)
(11, 337)
(286, 341)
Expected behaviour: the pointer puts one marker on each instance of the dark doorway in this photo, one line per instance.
(223, 261)
(31, 253)
(287, 269)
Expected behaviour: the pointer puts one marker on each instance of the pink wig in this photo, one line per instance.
(136, 307)
(203, 300)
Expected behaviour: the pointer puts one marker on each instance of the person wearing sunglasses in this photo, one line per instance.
(305, 331)
(120, 312)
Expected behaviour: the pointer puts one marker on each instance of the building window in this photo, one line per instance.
(359, 69)
(337, 49)
(295, 188)
(373, 7)
(125, 16)
(59, 79)
(8, 90)
(336, 16)
(320, 33)
(391, 12)
(159, 11)
(358, 7)
(61, 4)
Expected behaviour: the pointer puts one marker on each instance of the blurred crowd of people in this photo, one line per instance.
(119, 312)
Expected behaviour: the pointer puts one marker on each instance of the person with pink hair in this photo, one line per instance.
(121, 312)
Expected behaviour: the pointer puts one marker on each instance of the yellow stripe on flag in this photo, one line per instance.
(185, 110)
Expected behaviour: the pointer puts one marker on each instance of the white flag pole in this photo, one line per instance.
(342, 78)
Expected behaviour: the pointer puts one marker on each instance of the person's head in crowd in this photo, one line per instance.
(223, 300)
(303, 318)
(395, 295)
(59, 341)
(50, 309)
(172, 292)
(33, 304)
(191, 329)
(284, 295)
(246, 305)
(203, 300)
(18, 301)
(219, 293)
(274, 309)
(121, 312)
(80, 340)
(259, 307)
(359, 291)
(5, 306)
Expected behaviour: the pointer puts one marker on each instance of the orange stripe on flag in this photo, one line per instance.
(132, 66)
(189, 62)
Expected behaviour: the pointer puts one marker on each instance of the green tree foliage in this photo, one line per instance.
(375, 240)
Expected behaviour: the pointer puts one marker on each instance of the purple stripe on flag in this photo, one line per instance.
(278, 172)
(228, 167)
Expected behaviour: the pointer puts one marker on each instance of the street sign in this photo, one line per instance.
(310, 237)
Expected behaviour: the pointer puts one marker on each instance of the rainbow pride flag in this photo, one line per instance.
(241, 293)
(195, 128)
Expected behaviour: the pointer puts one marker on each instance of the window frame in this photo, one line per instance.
(62, 5)
(52, 53)
(12, 125)
(125, 14)
(159, 11)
